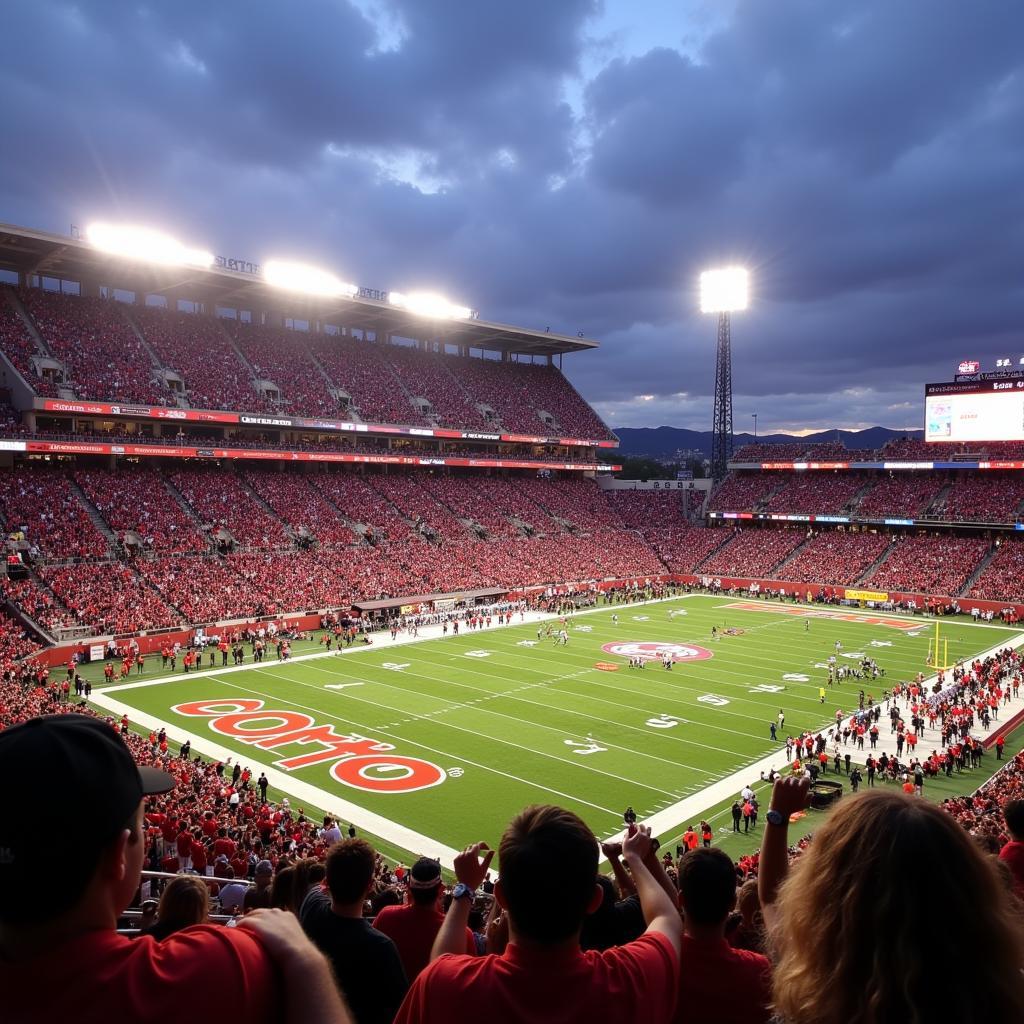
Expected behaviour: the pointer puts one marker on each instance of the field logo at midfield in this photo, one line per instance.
(656, 651)
(359, 762)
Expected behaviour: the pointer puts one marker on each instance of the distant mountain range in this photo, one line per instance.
(661, 442)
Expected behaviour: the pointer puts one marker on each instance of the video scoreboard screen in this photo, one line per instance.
(975, 410)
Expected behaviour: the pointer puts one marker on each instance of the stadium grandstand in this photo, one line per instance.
(200, 468)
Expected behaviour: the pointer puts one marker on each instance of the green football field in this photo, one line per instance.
(437, 743)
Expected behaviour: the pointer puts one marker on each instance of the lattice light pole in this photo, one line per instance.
(723, 292)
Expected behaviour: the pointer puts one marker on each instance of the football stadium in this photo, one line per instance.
(352, 673)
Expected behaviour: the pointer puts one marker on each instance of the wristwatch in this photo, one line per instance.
(461, 891)
(773, 817)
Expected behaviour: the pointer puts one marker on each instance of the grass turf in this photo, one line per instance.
(515, 717)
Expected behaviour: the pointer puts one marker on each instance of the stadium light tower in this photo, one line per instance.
(723, 292)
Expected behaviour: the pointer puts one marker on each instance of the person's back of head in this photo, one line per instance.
(548, 880)
(707, 887)
(424, 882)
(852, 907)
(308, 872)
(1013, 814)
(282, 889)
(349, 871)
(185, 901)
(599, 931)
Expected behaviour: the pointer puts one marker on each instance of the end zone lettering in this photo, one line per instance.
(357, 759)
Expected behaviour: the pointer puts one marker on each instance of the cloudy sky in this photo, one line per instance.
(573, 164)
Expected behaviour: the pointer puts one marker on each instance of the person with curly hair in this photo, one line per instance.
(852, 925)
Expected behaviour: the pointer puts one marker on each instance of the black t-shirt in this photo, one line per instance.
(366, 963)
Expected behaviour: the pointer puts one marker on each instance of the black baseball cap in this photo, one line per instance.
(74, 785)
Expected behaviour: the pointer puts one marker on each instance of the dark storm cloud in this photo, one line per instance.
(863, 158)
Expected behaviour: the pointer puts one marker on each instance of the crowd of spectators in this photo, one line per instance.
(816, 493)
(205, 589)
(981, 498)
(106, 360)
(744, 492)
(575, 500)
(981, 812)
(458, 494)
(221, 501)
(40, 508)
(417, 504)
(505, 496)
(927, 564)
(109, 597)
(296, 500)
(15, 643)
(663, 934)
(684, 549)
(133, 499)
(19, 346)
(199, 350)
(753, 553)
(899, 495)
(1003, 578)
(518, 392)
(357, 499)
(283, 358)
(102, 356)
(789, 451)
(836, 558)
(41, 605)
(648, 509)
(435, 378)
(361, 370)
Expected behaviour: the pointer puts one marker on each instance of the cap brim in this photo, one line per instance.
(155, 781)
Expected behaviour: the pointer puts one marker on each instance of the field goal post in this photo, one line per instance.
(938, 652)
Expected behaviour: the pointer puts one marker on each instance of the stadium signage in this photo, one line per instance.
(969, 366)
(241, 266)
(984, 384)
(649, 650)
(327, 426)
(358, 761)
(867, 595)
(279, 454)
(267, 421)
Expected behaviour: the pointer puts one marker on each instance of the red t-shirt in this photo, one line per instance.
(1013, 855)
(413, 928)
(637, 983)
(144, 980)
(735, 984)
(224, 846)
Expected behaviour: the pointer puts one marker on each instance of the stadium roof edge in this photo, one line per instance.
(26, 251)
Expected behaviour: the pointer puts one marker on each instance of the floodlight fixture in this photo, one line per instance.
(145, 245)
(726, 290)
(427, 304)
(301, 277)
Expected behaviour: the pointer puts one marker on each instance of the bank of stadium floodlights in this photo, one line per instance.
(146, 245)
(723, 291)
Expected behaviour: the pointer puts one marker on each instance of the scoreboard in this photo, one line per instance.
(976, 410)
